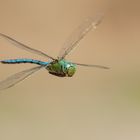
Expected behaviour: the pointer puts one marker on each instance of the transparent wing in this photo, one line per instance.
(78, 34)
(16, 78)
(88, 65)
(24, 47)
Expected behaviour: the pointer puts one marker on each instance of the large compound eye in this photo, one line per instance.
(71, 70)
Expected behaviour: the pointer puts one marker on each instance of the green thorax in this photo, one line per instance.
(61, 68)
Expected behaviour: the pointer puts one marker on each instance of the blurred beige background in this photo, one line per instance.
(95, 104)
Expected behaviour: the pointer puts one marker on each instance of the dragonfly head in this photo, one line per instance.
(70, 69)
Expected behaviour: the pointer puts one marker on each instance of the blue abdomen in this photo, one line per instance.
(18, 61)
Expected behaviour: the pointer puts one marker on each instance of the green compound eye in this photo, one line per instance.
(71, 70)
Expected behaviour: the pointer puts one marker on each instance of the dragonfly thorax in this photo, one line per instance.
(61, 68)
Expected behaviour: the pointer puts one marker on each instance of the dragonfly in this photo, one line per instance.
(56, 66)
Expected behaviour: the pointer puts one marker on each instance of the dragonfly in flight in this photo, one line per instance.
(57, 66)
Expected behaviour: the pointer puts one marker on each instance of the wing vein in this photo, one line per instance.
(16, 78)
(25, 47)
(79, 34)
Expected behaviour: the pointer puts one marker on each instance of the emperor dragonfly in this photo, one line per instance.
(58, 67)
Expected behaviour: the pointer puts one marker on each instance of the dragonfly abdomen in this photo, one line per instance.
(19, 61)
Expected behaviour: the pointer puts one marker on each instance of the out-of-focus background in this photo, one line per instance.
(93, 104)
